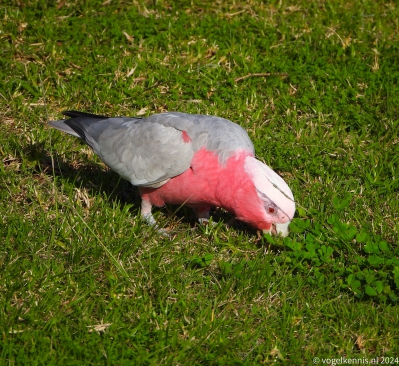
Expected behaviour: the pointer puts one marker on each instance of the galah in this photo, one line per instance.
(197, 160)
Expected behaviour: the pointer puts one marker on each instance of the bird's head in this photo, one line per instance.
(276, 197)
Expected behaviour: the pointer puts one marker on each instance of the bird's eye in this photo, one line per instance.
(270, 207)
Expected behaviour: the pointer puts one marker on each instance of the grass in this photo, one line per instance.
(84, 281)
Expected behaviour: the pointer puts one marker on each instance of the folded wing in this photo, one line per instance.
(143, 152)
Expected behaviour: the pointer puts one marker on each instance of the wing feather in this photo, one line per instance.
(150, 151)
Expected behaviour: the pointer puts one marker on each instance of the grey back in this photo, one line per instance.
(149, 151)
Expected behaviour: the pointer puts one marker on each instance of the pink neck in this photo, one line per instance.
(237, 193)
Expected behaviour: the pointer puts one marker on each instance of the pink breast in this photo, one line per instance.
(207, 183)
(195, 186)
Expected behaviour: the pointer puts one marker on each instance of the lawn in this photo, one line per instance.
(84, 281)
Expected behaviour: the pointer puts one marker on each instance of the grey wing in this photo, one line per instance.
(146, 154)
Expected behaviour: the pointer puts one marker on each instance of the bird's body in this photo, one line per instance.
(201, 161)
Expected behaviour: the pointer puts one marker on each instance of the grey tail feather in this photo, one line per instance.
(81, 122)
(76, 124)
(60, 125)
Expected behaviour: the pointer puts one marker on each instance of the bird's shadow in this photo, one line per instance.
(96, 178)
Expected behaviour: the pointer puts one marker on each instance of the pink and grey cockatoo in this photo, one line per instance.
(197, 160)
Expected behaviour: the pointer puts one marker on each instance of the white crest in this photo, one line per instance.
(270, 186)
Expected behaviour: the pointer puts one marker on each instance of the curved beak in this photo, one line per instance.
(282, 229)
(278, 229)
